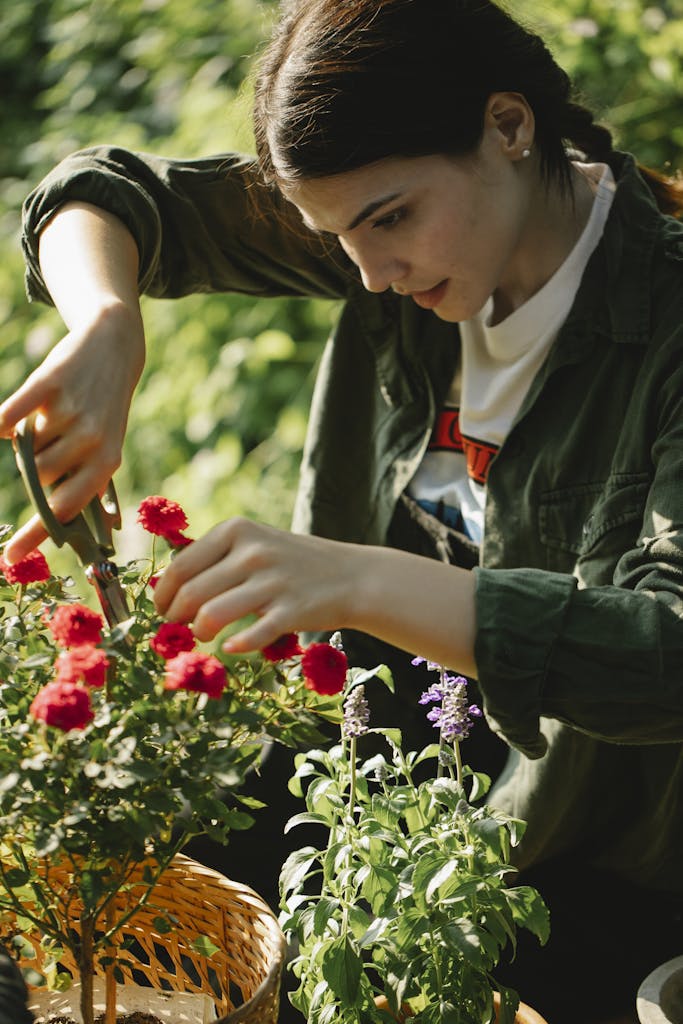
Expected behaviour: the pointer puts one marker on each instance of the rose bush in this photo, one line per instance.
(119, 744)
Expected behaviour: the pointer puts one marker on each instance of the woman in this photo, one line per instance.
(502, 395)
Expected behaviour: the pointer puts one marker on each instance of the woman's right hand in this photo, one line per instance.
(81, 393)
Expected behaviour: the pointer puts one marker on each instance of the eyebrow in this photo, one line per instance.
(368, 210)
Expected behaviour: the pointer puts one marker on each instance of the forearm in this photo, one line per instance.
(422, 606)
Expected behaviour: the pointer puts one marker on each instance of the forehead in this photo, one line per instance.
(335, 202)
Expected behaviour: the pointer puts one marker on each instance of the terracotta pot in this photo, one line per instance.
(525, 1014)
(660, 996)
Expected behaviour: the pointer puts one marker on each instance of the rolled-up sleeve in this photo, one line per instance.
(205, 225)
(605, 660)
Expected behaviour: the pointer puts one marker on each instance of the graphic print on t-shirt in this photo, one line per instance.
(447, 437)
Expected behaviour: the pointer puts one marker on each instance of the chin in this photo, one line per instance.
(456, 312)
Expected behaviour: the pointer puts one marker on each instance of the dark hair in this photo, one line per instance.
(343, 83)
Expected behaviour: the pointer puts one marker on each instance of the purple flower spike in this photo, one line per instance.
(430, 696)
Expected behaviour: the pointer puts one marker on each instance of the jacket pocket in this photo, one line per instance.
(581, 519)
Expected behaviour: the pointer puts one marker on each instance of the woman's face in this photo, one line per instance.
(447, 231)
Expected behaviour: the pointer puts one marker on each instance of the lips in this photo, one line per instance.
(432, 297)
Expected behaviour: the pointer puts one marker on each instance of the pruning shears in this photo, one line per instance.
(89, 533)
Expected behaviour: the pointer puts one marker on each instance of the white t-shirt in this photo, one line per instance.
(498, 364)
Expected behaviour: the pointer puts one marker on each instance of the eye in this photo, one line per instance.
(390, 220)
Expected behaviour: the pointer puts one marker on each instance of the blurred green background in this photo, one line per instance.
(219, 418)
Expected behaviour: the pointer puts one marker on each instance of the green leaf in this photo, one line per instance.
(529, 911)
(61, 982)
(380, 672)
(466, 939)
(91, 888)
(509, 1004)
(163, 925)
(32, 977)
(439, 877)
(342, 967)
(23, 947)
(384, 809)
(379, 884)
(305, 818)
(325, 910)
(489, 831)
(9, 781)
(15, 877)
(203, 945)
(296, 868)
(481, 783)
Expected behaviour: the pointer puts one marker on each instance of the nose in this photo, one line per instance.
(376, 279)
(379, 270)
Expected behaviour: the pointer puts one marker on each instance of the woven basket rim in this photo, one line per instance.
(241, 1013)
(272, 977)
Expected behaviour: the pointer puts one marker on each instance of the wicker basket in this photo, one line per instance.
(242, 978)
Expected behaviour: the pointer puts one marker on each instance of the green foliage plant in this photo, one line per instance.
(116, 746)
(406, 907)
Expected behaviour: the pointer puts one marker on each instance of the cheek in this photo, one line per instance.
(348, 249)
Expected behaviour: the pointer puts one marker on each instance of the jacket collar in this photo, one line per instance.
(615, 295)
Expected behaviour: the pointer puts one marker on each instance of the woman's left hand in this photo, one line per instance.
(291, 582)
(294, 583)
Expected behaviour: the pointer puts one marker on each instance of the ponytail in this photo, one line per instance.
(667, 190)
(595, 142)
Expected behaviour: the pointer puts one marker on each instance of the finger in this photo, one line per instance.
(224, 584)
(256, 636)
(246, 599)
(25, 400)
(75, 492)
(72, 455)
(66, 501)
(205, 553)
(25, 540)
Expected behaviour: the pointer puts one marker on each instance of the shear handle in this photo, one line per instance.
(90, 532)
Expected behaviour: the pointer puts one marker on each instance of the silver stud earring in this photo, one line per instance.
(526, 153)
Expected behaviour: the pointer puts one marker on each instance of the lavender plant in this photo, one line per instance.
(406, 906)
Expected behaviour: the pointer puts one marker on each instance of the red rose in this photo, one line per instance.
(33, 568)
(177, 540)
(171, 639)
(74, 624)
(64, 705)
(286, 646)
(153, 580)
(194, 670)
(161, 516)
(324, 669)
(84, 664)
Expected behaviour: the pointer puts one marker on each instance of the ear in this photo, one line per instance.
(512, 118)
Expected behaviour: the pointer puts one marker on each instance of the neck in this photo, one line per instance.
(554, 223)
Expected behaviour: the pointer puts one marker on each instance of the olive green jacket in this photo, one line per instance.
(579, 642)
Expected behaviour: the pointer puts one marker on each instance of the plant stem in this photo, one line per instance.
(458, 762)
(350, 823)
(110, 978)
(352, 766)
(86, 967)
